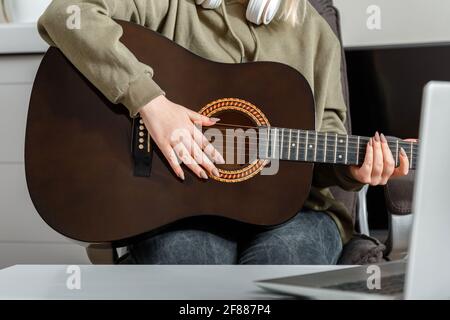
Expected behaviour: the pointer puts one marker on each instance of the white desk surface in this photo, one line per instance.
(42, 282)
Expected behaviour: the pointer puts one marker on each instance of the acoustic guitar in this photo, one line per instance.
(94, 174)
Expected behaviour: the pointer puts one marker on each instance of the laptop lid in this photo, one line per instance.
(427, 274)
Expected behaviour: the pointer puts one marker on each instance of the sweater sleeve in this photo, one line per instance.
(331, 113)
(95, 48)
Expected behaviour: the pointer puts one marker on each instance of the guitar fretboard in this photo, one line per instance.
(325, 147)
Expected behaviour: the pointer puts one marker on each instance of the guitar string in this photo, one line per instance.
(351, 161)
(320, 147)
(321, 142)
(352, 152)
(279, 129)
(325, 155)
(332, 135)
(328, 155)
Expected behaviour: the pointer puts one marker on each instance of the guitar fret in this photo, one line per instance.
(335, 148)
(290, 141)
(282, 144)
(306, 146)
(298, 143)
(357, 151)
(346, 150)
(411, 159)
(396, 153)
(315, 149)
(325, 151)
(274, 145)
(268, 143)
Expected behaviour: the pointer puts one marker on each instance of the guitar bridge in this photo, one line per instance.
(141, 149)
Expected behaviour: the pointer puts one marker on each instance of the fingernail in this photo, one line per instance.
(216, 172)
(383, 138)
(214, 119)
(377, 137)
(220, 159)
(403, 152)
(204, 175)
(181, 175)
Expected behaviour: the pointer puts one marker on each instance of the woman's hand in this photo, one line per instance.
(379, 164)
(173, 129)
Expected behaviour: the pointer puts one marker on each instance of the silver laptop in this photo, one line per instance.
(425, 273)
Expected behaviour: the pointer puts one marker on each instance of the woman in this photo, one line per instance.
(299, 37)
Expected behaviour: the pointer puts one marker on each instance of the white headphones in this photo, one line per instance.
(258, 11)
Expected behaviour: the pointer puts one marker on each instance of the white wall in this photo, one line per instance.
(402, 22)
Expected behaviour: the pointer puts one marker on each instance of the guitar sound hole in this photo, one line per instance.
(236, 137)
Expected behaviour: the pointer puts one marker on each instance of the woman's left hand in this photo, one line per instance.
(379, 164)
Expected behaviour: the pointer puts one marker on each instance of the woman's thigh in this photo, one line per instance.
(311, 237)
(195, 241)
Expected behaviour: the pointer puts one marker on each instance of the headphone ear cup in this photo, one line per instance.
(271, 10)
(209, 4)
(262, 11)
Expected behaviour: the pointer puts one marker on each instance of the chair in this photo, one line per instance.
(362, 249)
(398, 195)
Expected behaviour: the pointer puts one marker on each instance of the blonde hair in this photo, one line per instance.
(290, 12)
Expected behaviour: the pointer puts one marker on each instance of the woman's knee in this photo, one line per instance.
(310, 238)
(184, 247)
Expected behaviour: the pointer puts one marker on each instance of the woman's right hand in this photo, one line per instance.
(173, 128)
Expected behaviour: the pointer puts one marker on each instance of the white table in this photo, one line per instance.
(145, 282)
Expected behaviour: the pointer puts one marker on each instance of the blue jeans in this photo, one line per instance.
(310, 238)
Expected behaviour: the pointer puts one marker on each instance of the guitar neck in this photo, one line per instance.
(325, 147)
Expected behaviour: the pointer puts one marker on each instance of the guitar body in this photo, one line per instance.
(79, 166)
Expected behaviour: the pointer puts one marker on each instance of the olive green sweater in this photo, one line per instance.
(222, 35)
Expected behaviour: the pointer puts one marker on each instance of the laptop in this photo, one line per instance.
(424, 274)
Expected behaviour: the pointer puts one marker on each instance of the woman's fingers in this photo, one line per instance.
(363, 174)
(207, 147)
(200, 157)
(377, 169)
(403, 168)
(172, 158)
(388, 161)
(379, 163)
(185, 156)
(197, 118)
(200, 138)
